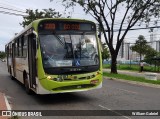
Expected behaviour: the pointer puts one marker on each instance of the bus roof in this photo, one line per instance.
(35, 23)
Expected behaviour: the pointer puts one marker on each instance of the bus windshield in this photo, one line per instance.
(74, 50)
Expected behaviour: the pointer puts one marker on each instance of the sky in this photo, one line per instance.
(9, 24)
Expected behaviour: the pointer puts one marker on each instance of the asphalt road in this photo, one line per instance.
(114, 95)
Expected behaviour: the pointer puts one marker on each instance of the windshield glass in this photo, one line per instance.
(69, 50)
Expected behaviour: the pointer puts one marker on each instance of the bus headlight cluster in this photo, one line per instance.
(55, 79)
(58, 79)
(89, 77)
(49, 77)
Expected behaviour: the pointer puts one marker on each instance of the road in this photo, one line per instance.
(114, 95)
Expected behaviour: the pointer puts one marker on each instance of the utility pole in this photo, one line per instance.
(122, 55)
(128, 44)
(159, 46)
(151, 37)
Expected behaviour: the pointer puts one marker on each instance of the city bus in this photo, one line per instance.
(56, 56)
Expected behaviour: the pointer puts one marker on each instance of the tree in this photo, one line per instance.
(33, 15)
(105, 53)
(141, 46)
(150, 55)
(105, 13)
(2, 55)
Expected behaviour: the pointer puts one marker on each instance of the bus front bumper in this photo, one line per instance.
(46, 86)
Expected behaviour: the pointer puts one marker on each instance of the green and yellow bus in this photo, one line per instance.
(56, 56)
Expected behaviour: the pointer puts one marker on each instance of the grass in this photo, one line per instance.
(131, 78)
(14, 117)
(132, 67)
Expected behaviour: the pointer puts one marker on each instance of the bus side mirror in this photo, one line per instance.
(34, 43)
(100, 45)
(99, 36)
(99, 40)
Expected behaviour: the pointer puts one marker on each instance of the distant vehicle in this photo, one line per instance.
(3, 60)
(56, 56)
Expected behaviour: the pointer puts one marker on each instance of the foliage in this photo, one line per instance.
(33, 15)
(133, 67)
(106, 13)
(141, 46)
(105, 53)
(2, 55)
(131, 78)
(151, 53)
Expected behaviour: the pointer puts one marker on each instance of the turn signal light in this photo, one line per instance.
(94, 81)
(97, 73)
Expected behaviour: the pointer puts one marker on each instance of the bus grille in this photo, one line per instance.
(74, 87)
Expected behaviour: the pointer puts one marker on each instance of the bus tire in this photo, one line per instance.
(26, 84)
(12, 77)
(10, 71)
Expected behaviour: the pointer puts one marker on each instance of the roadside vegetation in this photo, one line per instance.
(105, 13)
(134, 67)
(14, 117)
(130, 78)
(2, 54)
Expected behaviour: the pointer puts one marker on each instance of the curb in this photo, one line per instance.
(132, 73)
(4, 105)
(134, 82)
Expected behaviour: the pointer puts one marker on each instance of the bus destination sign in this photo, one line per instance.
(66, 26)
(71, 27)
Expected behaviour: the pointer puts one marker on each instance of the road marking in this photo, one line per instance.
(114, 112)
(127, 91)
(124, 90)
(7, 103)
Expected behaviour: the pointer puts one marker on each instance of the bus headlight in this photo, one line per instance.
(57, 79)
(49, 77)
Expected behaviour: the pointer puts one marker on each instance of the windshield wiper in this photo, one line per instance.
(59, 39)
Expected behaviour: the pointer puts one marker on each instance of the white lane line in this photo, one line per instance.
(124, 90)
(7, 103)
(114, 112)
(127, 91)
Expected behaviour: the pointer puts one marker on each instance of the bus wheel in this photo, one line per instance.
(26, 84)
(11, 77)
(10, 71)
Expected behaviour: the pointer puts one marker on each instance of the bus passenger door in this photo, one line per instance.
(32, 60)
(13, 60)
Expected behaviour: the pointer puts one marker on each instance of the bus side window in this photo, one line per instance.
(20, 47)
(24, 46)
(9, 50)
(22, 42)
(16, 48)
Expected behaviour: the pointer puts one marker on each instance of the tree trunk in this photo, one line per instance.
(140, 60)
(114, 64)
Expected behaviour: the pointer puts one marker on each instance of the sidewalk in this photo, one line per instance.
(132, 73)
(3, 105)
